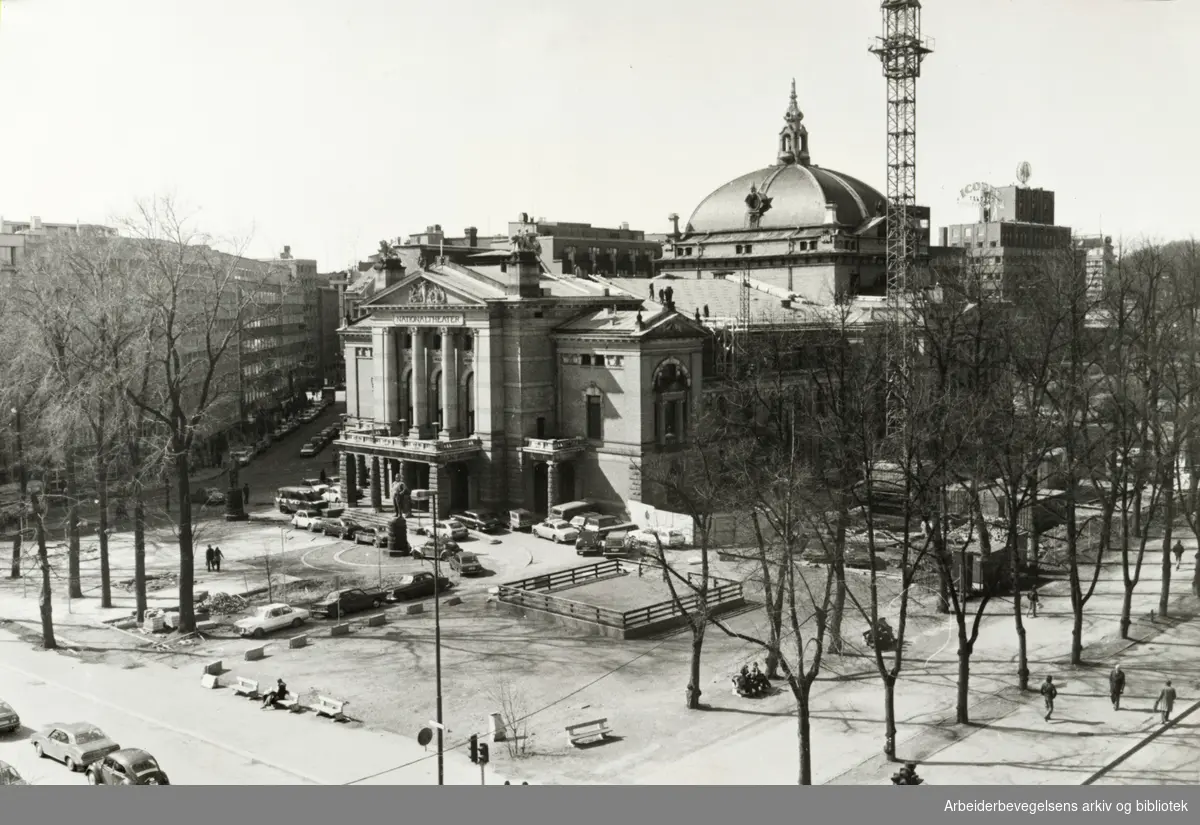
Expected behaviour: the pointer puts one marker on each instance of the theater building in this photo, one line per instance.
(496, 383)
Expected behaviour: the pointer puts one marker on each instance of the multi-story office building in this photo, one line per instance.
(1099, 258)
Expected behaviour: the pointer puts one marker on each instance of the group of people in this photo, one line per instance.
(212, 559)
(751, 683)
(1164, 704)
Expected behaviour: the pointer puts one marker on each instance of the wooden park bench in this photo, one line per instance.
(333, 708)
(245, 687)
(582, 732)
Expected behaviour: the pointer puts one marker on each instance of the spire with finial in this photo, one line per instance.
(793, 138)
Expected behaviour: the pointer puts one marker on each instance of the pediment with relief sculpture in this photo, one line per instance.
(419, 290)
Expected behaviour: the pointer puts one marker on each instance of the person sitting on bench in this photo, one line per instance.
(272, 699)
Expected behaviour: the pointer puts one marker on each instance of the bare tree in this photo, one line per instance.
(197, 301)
(46, 597)
(692, 482)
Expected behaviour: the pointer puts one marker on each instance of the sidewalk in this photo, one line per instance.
(315, 750)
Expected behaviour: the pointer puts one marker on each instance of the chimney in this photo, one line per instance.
(525, 274)
(472, 234)
(388, 273)
(36, 223)
(625, 225)
(830, 214)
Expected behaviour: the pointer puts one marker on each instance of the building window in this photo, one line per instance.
(437, 341)
(991, 243)
(595, 414)
(585, 360)
(469, 343)
(408, 340)
(672, 384)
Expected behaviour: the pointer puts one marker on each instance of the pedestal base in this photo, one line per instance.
(234, 508)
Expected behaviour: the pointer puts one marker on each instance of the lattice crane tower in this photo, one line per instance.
(901, 50)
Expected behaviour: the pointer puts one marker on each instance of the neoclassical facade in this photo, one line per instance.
(496, 383)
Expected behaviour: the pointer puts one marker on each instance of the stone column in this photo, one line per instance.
(420, 382)
(349, 483)
(438, 491)
(363, 473)
(376, 486)
(483, 382)
(449, 383)
(551, 483)
(387, 390)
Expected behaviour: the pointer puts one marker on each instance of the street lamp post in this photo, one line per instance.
(431, 496)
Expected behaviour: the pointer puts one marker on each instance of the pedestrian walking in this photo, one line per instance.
(1178, 551)
(1033, 602)
(1116, 686)
(1165, 701)
(1049, 692)
(208, 558)
(217, 556)
(324, 478)
(246, 494)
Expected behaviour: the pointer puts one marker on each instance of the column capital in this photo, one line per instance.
(415, 331)
(444, 332)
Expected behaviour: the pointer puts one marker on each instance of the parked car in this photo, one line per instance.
(207, 496)
(271, 617)
(343, 527)
(9, 720)
(649, 539)
(520, 519)
(417, 586)
(242, 455)
(9, 775)
(466, 564)
(341, 603)
(309, 450)
(451, 528)
(556, 530)
(577, 521)
(446, 549)
(485, 521)
(262, 444)
(366, 534)
(76, 745)
(128, 766)
(304, 519)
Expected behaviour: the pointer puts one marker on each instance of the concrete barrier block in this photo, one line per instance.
(255, 653)
(297, 642)
(340, 630)
(413, 609)
(453, 600)
(210, 681)
(377, 621)
(205, 627)
(214, 668)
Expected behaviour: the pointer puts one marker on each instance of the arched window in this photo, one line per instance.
(593, 400)
(672, 383)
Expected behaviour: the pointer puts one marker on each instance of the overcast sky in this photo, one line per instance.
(329, 125)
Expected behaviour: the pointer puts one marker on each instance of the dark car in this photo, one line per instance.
(466, 564)
(341, 603)
(417, 586)
(128, 766)
(343, 528)
(485, 521)
(589, 543)
(207, 496)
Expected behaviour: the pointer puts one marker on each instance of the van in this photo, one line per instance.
(291, 499)
(568, 511)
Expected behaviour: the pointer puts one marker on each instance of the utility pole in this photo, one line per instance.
(437, 632)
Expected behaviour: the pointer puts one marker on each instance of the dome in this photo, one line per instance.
(798, 196)
(792, 193)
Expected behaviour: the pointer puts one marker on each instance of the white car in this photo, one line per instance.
(332, 494)
(242, 456)
(650, 538)
(271, 617)
(304, 519)
(451, 528)
(555, 529)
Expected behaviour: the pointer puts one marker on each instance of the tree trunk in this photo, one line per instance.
(889, 716)
(187, 571)
(693, 688)
(1014, 556)
(963, 707)
(74, 581)
(15, 573)
(102, 495)
(1127, 581)
(836, 643)
(1077, 638)
(803, 730)
(139, 552)
(45, 601)
(1164, 595)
